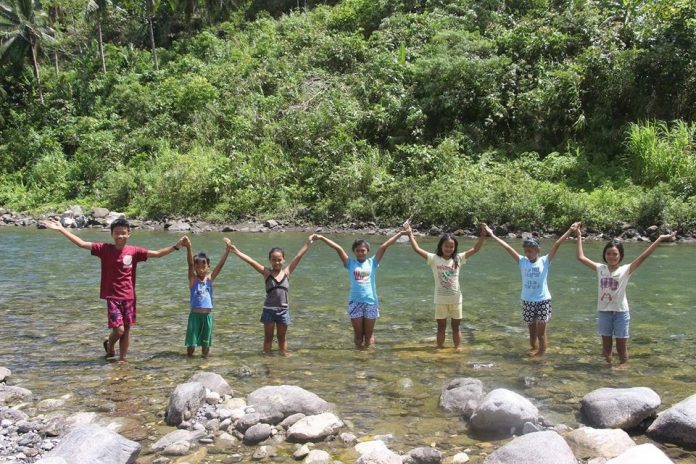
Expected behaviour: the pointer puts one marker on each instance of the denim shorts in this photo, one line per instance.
(366, 310)
(275, 316)
(613, 323)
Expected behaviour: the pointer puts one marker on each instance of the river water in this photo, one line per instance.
(52, 324)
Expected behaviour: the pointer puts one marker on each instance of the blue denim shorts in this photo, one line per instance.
(366, 310)
(271, 316)
(613, 323)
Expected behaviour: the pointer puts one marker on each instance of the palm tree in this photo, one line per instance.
(99, 9)
(22, 29)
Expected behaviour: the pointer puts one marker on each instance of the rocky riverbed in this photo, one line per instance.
(206, 420)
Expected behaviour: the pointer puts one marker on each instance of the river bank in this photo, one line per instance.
(100, 218)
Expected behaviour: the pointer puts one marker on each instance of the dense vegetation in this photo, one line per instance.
(532, 113)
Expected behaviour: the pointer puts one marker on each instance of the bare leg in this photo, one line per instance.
(369, 331)
(205, 350)
(622, 349)
(532, 338)
(541, 337)
(190, 350)
(358, 333)
(606, 347)
(282, 340)
(268, 329)
(441, 332)
(123, 344)
(456, 334)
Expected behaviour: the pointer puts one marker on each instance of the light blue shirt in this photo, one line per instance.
(202, 294)
(362, 280)
(534, 274)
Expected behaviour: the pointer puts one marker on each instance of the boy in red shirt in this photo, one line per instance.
(118, 266)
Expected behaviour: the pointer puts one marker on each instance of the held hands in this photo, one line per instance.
(669, 237)
(185, 241)
(52, 224)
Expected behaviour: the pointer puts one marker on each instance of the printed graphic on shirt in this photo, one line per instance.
(448, 278)
(127, 260)
(608, 284)
(532, 275)
(361, 276)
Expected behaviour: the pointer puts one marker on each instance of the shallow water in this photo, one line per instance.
(52, 324)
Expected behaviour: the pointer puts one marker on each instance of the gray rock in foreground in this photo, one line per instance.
(619, 408)
(314, 428)
(184, 402)
(502, 411)
(534, 448)
(93, 444)
(12, 395)
(275, 403)
(213, 382)
(677, 424)
(587, 442)
(462, 395)
(641, 454)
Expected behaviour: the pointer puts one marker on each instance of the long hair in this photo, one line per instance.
(614, 243)
(443, 239)
(278, 250)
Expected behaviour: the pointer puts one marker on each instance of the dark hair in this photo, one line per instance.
(531, 241)
(276, 249)
(614, 243)
(201, 257)
(443, 239)
(360, 241)
(120, 222)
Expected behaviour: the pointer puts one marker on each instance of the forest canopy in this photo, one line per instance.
(529, 113)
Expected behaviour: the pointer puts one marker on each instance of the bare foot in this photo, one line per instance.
(620, 367)
(123, 361)
(607, 358)
(109, 353)
(458, 348)
(539, 354)
(285, 354)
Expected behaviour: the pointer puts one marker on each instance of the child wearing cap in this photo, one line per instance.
(536, 298)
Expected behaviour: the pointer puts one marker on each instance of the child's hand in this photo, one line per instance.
(182, 241)
(51, 224)
(483, 229)
(407, 227)
(228, 242)
(575, 226)
(670, 237)
(185, 241)
(488, 230)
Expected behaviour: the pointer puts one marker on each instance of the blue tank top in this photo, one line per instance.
(202, 294)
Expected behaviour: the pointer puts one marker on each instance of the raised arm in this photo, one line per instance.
(648, 251)
(249, 260)
(189, 260)
(57, 226)
(166, 250)
(412, 241)
(296, 260)
(580, 254)
(221, 263)
(339, 249)
(511, 251)
(479, 243)
(383, 247)
(561, 239)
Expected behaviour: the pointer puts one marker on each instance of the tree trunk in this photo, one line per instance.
(152, 42)
(101, 46)
(37, 75)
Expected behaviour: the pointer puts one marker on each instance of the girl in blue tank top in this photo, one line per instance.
(275, 315)
(199, 331)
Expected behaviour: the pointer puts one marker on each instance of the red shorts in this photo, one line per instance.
(120, 313)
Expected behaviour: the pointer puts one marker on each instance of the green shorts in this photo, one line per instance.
(200, 329)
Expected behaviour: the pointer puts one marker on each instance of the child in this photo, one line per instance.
(363, 305)
(536, 298)
(445, 263)
(612, 305)
(275, 314)
(118, 266)
(199, 331)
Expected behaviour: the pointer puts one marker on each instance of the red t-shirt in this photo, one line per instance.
(118, 269)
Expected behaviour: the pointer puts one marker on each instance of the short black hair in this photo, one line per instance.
(361, 242)
(120, 222)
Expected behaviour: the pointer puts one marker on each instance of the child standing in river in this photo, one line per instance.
(275, 316)
(535, 296)
(199, 330)
(613, 315)
(446, 263)
(363, 305)
(118, 264)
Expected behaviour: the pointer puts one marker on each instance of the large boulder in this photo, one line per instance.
(275, 403)
(314, 428)
(641, 454)
(93, 444)
(534, 448)
(587, 442)
(10, 395)
(502, 412)
(677, 424)
(184, 402)
(461, 395)
(213, 382)
(619, 408)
